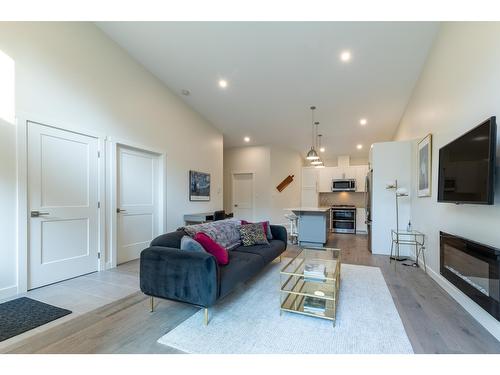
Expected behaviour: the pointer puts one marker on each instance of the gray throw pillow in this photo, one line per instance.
(189, 244)
(253, 234)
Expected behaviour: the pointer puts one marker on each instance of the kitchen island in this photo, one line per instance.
(313, 225)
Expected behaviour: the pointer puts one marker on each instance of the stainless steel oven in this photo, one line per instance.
(343, 219)
(344, 185)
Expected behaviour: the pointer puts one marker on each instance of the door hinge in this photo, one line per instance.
(98, 154)
(98, 204)
(98, 255)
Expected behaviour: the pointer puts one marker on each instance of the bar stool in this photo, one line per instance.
(294, 232)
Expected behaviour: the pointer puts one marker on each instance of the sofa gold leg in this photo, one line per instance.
(205, 319)
(152, 300)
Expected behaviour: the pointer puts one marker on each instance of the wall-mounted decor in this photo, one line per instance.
(199, 186)
(424, 174)
(283, 184)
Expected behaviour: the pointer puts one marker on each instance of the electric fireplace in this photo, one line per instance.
(474, 269)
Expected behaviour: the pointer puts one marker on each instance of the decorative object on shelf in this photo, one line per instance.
(424, 176)
(283, 184)
(398, 193)
(199, 186)
(312, 154)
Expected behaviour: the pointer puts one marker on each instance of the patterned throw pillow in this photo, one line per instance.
(253, 234)
(224, 232)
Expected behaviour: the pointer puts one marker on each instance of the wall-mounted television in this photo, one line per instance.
(467, 166)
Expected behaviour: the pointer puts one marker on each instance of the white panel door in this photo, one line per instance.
(63, 196)
(137, 202)
(243, 196)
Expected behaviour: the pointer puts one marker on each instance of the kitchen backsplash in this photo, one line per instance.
(344, 197)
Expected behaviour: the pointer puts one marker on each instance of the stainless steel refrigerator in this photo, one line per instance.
(368, 206)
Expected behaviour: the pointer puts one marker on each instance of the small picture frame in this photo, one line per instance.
(424, 165)
(199, 186)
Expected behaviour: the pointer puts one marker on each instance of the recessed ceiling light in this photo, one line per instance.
(345, 56)
(222, 83)
(359, 147)
(185, 92)
(246, 139)
(322, 149)
(363, 121)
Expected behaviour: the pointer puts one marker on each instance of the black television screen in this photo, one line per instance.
(467, 166)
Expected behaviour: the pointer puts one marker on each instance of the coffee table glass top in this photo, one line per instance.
(328, 257)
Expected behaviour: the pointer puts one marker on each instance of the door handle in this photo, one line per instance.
(38, 213)
(118, 210)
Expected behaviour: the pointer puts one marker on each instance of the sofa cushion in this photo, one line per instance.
(253, 234)
(190, 244)
(267, 252)
(172, 239)
(224, 232)
(213, 248)
(242, 266)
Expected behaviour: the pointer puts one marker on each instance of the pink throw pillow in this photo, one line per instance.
(212, 247)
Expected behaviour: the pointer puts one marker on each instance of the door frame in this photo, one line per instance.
(113, 145)
(23, 218)
(253, 190)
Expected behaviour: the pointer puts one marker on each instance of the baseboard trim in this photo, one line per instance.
(8, 292)
(477, 312)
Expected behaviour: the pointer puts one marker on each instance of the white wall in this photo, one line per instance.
(74, 75)
(390, 161)
(458, 89)
(270, 165)
(284, 162)
(8, 218)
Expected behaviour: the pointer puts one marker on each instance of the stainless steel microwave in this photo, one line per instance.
(344, 184)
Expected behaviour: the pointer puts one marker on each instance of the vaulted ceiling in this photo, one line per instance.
(276, 70)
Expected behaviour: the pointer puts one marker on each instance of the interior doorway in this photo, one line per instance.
(138, 201)
(63, 204)
(243, 196)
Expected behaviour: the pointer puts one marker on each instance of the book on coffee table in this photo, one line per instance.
(315, 271)
(314, 305)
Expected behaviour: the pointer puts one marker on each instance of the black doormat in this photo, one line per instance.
(22, 314)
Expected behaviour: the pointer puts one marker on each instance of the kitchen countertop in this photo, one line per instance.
(308, 209)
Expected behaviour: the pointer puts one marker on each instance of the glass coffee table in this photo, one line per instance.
(310, 283)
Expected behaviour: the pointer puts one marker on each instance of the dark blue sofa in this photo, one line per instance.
(194, 277)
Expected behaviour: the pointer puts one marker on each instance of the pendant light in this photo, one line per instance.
(316, 145)
(312, 154)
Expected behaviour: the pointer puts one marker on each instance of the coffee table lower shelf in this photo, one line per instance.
(294, 303)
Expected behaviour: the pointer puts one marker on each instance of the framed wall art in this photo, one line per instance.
(199, 186)
(424, 174)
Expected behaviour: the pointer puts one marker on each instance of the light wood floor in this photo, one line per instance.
(434, 322)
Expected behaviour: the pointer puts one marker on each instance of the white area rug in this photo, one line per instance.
(248, 321)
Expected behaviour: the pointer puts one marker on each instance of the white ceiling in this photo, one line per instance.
(277, 70)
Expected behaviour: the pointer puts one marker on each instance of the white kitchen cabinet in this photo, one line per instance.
(349, 172)
(361, 172)
(338, 173)
(360, 220)
(309, 187)
(326, 175)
